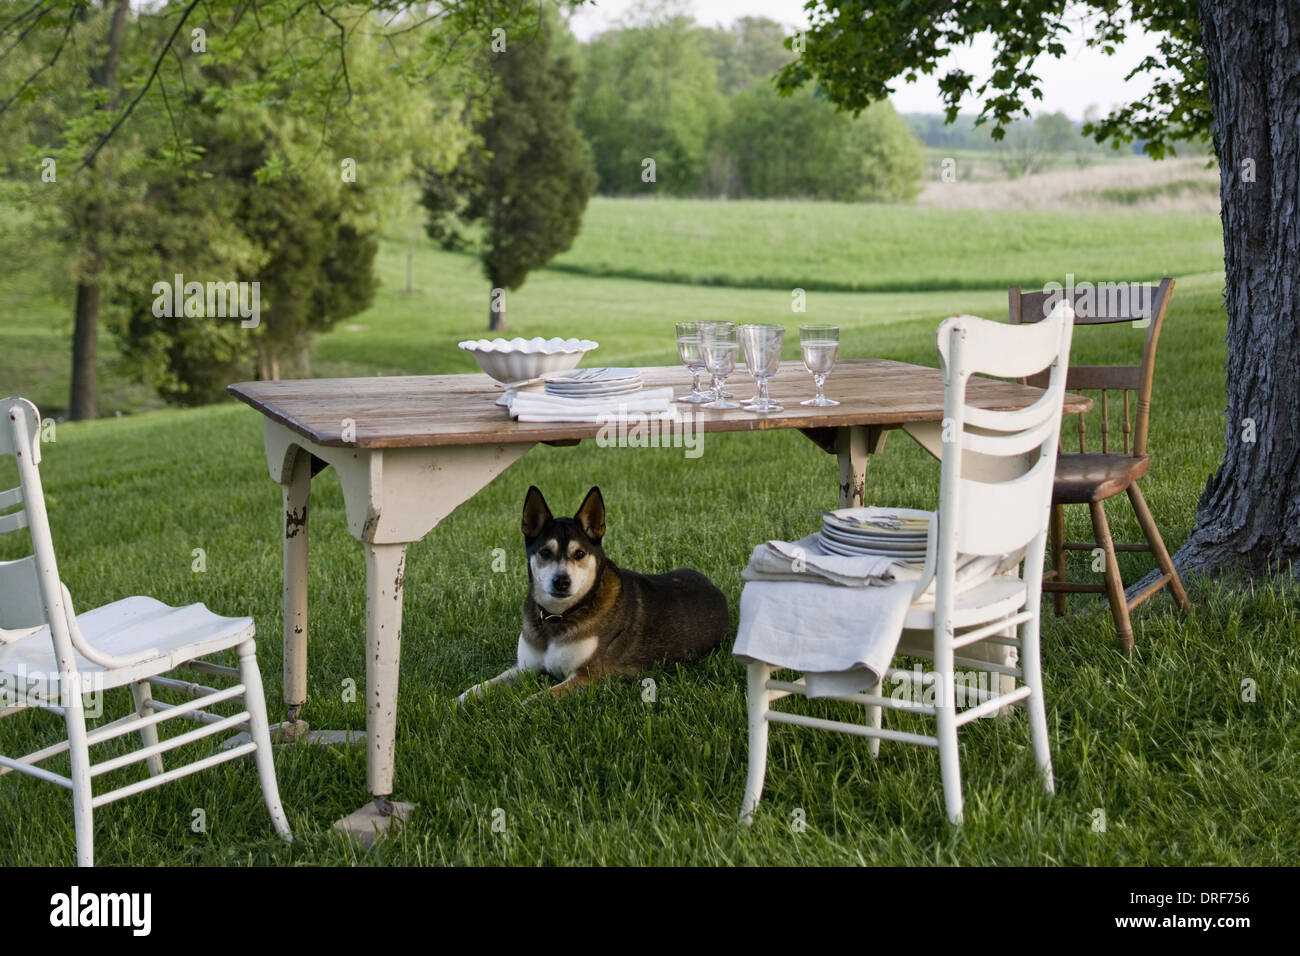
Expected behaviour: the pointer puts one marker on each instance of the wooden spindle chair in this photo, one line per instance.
(1085, 477)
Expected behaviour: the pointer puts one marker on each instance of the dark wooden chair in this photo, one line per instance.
(1085, 477)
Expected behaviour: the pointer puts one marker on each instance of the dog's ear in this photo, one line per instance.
(536, 514)
(591, 516)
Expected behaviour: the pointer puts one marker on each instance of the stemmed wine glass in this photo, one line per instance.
(711, 392)
(688, 347)
(820, 344)
(718, 347)
(763, 358)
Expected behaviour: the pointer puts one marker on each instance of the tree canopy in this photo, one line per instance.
(856, 51)
(526, 182)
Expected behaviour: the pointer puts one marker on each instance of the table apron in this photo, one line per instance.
(395, 495)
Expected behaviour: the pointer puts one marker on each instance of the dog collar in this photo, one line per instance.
(543, 617)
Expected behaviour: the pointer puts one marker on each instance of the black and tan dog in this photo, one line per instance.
(585, 618)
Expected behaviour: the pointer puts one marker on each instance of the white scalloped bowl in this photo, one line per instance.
(520, 359)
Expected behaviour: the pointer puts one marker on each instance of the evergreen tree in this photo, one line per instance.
(527, 182)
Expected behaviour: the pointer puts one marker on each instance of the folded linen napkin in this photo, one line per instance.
(798, 560)
(540, 407)
(839, 619)
(805, 560)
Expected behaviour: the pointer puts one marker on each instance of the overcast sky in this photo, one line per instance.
(1070, 84)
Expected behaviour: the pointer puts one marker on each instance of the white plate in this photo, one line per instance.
(845, 552)
(872, 552)
(595, 396)
(593, 375)
(875, 544)
(595, 386)
(874, 535)
(853, 520)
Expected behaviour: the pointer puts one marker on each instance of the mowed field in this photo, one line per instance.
(856, 248)
(1182, 768)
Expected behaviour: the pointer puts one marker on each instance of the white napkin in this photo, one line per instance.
(540, 407)
(841, 639)
(805, 560)
(798, 560)
(839, 620)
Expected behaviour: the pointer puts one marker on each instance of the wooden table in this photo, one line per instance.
(410, 450)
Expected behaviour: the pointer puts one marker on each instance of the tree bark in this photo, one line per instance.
(83, 402)
(83, 398)
(1249, 512)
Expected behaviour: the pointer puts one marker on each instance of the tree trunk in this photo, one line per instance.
(82, 399)
(1249, 513)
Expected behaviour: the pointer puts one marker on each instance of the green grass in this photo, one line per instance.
(1185, 771)
(869, 248)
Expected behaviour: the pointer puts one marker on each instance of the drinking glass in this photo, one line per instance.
(688, 347)
(718, 346)
(820, 344)
(710, 392)
(763, 358)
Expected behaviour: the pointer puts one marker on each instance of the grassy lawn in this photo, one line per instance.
(1184, 770)
(852, 247)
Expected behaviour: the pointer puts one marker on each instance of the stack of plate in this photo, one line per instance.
(591, 384)
(893, 532)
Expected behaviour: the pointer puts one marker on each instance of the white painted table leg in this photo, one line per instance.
(385, 570)
(853, 447)
(392, 497)
(297, 494)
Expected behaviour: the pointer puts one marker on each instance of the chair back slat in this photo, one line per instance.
(20, 595)
(1004, 352)
(1104, 303)
(1005, 445)
(1105, 422)
(1096, 377)
(35, 579)
(1100, 303)
(1128, 428)
(1003, 517)
(13, 521)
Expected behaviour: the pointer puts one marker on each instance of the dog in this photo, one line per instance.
(586, 619)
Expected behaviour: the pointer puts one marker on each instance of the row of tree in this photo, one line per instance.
(273, 156)
(244, 155)
(671, 107)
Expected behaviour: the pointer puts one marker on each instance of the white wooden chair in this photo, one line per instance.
(50, 657)
(994, 499)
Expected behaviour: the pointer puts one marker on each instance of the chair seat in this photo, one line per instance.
(997, 597)
(125, 628)
(1083, 477)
